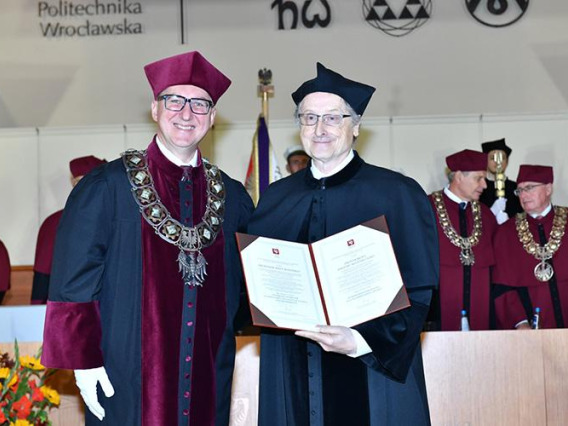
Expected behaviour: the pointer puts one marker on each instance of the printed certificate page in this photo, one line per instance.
(281, 283)
(359, 274)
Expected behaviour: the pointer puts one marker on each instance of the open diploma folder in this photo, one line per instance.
(345, 279)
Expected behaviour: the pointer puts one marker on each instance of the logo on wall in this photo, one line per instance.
(497, 13)
(397, 18)
(310, 13)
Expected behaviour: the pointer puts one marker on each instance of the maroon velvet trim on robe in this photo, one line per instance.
(72, 335)
(46, 242)
(5, 268)
(452, 275)
(515, 268)
(162, 308)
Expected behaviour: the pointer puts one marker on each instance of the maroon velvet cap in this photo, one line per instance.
(467, 161)
(83, 165)
(187, 68)
(532, 173)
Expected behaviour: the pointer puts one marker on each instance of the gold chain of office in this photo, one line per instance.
(190, 240)
(465, 244)
(543, 271)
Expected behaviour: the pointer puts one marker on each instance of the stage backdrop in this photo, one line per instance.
(80, 62)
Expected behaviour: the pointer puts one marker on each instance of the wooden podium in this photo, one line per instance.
(476, 378)
(497, 377)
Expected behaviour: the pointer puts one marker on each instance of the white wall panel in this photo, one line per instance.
(19, 210)
(58, 146)
(421, 145)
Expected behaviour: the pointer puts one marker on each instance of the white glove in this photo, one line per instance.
(498, 210)
(86, 381)
(499, 205)
(501, 217)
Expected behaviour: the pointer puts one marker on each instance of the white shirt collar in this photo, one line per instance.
(317, 174)
(542, 213)
(170, 155)
(453, 196)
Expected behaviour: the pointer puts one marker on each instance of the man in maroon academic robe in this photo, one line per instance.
(79, 167)
(531, 253)
(146, 278)
(5, 271)
(465, 233)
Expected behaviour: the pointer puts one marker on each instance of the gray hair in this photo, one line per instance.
(452, 175)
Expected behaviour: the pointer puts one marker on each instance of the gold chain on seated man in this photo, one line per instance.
(190, 240)
(543, 271)
(466, 244)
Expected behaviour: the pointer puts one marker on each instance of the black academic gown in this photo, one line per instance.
(300, 384)
(488, 197)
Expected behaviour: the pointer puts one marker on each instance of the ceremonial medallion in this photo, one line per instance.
(543, 271)
(190, 240)
(466, 244)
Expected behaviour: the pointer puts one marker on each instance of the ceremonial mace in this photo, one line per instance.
(500, 177)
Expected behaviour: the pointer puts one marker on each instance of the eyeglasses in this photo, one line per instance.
(327, 119)
(527, 188)
(177, 103)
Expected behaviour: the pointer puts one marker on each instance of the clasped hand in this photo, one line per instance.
(86, 381)
(332, 338)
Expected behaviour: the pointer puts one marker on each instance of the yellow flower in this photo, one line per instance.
(50, 394)
(12, 382)
(31, 363)
(4, 372)
(21, 422)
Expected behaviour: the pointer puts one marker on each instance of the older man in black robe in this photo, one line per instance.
(371, 374)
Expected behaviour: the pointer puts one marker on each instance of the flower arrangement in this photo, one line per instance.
(24, 398)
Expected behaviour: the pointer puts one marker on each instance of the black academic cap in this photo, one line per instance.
(355, 94)
(499, 144)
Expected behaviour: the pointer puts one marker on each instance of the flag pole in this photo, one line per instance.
(265, 90)
(263, 167)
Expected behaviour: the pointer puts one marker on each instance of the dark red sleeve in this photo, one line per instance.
(72, 336)
(5, 268)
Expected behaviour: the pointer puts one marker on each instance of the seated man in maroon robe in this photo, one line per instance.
(465, 233)
(531, 253)
(146, 280)
(79, 167)
(5, 271)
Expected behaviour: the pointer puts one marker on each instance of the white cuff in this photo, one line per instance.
(363, 347)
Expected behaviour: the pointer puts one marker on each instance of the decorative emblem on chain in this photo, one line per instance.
(190, 240)
(543, 271)
(466, 244)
